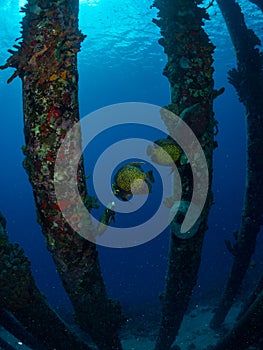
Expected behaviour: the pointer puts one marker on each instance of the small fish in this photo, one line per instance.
(131, 179)
(166, 152)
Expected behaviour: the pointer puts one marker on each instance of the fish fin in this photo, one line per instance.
(170, 138)
(149, 150)
(123, 195)
(183, 159)
(150, 175)
(149, 185)
(136, 164)
(114, 189)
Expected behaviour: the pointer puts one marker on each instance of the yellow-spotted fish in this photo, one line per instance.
(166, 152)
(130, 180)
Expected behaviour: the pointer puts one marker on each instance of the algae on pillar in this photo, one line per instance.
(20, 295)
(248, 82)
(190, 74)
(46, 61)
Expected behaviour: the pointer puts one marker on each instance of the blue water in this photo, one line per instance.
(121, 61)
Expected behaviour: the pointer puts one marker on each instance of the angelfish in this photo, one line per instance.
(130, 180)
(166, 152)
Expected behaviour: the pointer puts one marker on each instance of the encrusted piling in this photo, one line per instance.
(46, 62)
(20, 295)
(247, 80)
(190, 74)
(247, 331)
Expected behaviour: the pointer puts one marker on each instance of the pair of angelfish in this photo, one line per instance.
(131, 179)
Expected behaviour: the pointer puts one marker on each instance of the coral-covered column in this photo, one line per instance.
(46, 61)
(247, 331)
(247, 79)
(189, 71)
(20, 296)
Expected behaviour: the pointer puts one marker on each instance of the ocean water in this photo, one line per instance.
(121, 61)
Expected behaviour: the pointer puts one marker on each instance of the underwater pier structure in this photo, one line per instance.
(248, 82)
(20, 296)
(46, 62)
(190, 73)
(45, 59)
(247, 332)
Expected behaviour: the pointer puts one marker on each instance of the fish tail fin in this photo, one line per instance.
(150, 175)
(149, 185)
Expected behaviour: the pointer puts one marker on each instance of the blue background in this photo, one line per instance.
(121, 61)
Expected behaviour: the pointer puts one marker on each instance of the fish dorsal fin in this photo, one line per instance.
(136, 164)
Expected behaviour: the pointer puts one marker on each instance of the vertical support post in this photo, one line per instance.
(46, 61)
(20, 295)
(189, 71)
(247, 80)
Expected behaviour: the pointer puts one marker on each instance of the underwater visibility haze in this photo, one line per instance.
(121, 61)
